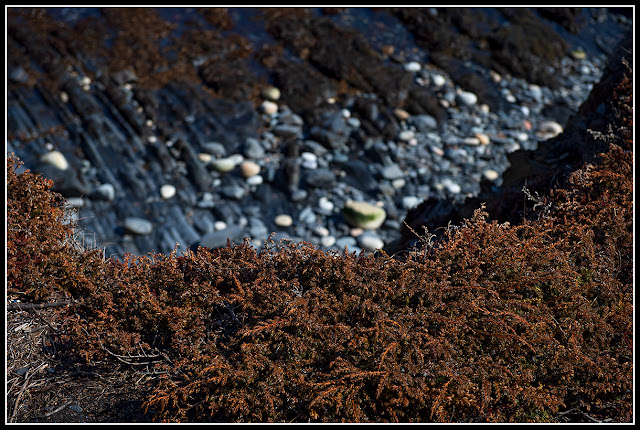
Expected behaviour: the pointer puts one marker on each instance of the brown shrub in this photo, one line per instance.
(496, 322)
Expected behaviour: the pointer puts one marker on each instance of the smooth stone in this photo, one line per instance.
(233, 191)
(391, 172)
(167, 191)
(286, 131)
(409, 202)
(252, 148)
(483, 138)
(412, 66)
(137, 225)
(105, 192)
(438, 80)
(321, 231)
(271, 93)
(369, 242)
(466, 98)
(327, 241)
(364, 215)
(423, 122)
(56, 159)
(320, 178)
(401, 114)
(255, 180)
(325, 204)
(398, 183)
(474, 141)
(269, 107)
(283, 220)
(549, 129)
(249, 168)
(406, 135)
(219, 225)
(223, 165)
(75, 202)
(491, 174)
(204, 157)
(215, 148)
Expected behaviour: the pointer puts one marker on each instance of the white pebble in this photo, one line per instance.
(219, 225)
(491, 174)
(412, 66)
(322, 231)
(255, 180)
(167, 191)
(204, 157)
(438, 80)
(325, 204)
(328, 241)
(466, 98)
(406, 135)
(346, 113)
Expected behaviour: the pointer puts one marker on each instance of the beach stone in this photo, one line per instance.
(327, 241)
(391, 172)
(253, 148)
(270, 93)
(438, 80)
(325, 204)
(167, 191)
(363, 214)
(233, 191)
(204, 157)
(549, 129)
(482, 138)
(423, 122)
(287, 131)
(219, 225)
(104, 192)
(369, 241)
(137, 225)
(412, 67)
(283, 220)
(320, 178)
(56, 159)
(409, 202)
(255, 180)
(491, 174)
(401, 114)
(406, 135)
(223, 165)
(268, 107)
(215, 148)
(249, 168)
(466, 98)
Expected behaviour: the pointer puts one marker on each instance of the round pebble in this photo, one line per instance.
(466, 98)
(406, 135)
(325, 204)
(549, 129)
(482, 138)
(255, 180)
(283, 220)
(219, 225)
(271, 93)
(249, 168)
(56, 159)
(369, 242)
(438, 80)
(137, 225)
(491, 174)
(224, 165)
(167, 191)
(204, 157)
(269, 107)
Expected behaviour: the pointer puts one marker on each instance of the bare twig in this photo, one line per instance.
(30, 306)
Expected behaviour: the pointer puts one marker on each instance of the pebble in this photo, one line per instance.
(364, 215)
(406, 135)
(401, 114)
(391, 172)
(409, 202)
(491, 174)
(104, 192)
(283, 220)
(167, 191)
(204, 157)
(483, 138)
(325, 204)
(269, 107)
(255, 180)
(412, 66)
(548, 129)
(219, 225)
(249, 168)
(137, 225)
(466, 98)
(271, 93)
(369, 241)
(438, 80)
(56, 159)
(223, 165)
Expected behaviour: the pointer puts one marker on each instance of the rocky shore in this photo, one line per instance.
(169, 128)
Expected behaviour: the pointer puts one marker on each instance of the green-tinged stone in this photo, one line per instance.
(363, 215)
(223, 165)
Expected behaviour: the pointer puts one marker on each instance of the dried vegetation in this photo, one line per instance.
(493, 322)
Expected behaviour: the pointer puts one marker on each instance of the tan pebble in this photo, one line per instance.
(249, 168)
(356, 231)
(271, 93)
(269, 107)
(55, 158)
(483, 138)
(491, 174)
(495, 76)
(283, 220)
(526, 124)
(204, 157)
(401, 114)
